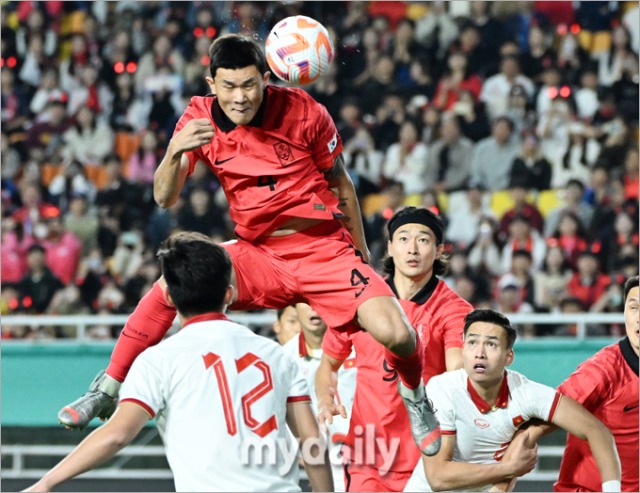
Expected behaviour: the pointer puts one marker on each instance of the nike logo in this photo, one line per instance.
(222, 161)
(629, 408)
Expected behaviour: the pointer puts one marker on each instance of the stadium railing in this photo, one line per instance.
(253, 319)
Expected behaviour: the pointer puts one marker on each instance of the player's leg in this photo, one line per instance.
(384, 319)
(145, 327)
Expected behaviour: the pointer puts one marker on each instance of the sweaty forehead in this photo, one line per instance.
(239, 75)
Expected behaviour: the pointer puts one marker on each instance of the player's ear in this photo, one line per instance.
(211, 83)
(439, 250)
(510, 357)
(266, 76)
(229, 295)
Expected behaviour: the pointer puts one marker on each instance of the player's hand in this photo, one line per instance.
(521, 455)
(194, 134)
(327, 411)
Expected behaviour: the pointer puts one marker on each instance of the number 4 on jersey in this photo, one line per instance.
(250, 398)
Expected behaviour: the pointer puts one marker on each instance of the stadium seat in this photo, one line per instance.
(126, 144)
(549, 200)
(372, 203)
(48, 172)
(501, 202)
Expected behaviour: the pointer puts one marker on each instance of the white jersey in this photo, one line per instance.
(483, 432)
(219, 393)
(309, 363)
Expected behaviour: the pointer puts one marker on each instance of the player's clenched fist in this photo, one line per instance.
(194, 134)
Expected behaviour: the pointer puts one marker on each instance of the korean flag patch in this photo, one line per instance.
(333, 143)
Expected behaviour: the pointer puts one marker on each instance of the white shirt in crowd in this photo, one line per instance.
(214, 388)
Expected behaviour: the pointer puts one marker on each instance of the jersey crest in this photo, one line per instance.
(284, 153)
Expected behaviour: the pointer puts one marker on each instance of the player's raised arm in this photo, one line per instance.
(174, 167)
(98, 447)
(575, 419)
(303, 425)
(341, 184)
(326, 388)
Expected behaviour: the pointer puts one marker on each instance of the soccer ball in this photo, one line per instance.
(299, 50)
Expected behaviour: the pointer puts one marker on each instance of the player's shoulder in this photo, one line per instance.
(292, 97)
(518, 382)
(449, 380)
(445, 293)
(605, 362)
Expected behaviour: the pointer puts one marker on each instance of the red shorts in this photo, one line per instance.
(319, 266)
(358, 477)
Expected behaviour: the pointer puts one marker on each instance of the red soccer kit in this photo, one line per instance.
(378, 413)
(607, 385)
(272, 170)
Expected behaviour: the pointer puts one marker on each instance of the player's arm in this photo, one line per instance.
(341, 184)
(326, 390)
(445, 474)
(303, 425)
(453, 358)
(575, 419)
(174, 167)
(105, 442)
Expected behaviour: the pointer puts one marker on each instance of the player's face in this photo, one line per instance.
(309, 319)
(414, 250)
(632, 318)
(485, 354)
(287, 325)
(240, 92)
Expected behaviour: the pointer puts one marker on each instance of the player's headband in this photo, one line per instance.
(416, 215)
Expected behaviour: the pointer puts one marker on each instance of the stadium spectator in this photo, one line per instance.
(485, 385)
(551, 281)
(89, 140)
(573, 201)
(587, 95)
(539, 54)
(47, 136)
(530, 167)
(571, 236)
(48, 88)
(436, 30)
(466, 214)
(201, 214)
(496, 89)
(589, 284)
(364, 162)
(522, 205)
(39, 285)
(618, 59)
(405, 161)
(447, 168)
(202, 295)
(145, 160)
(82, 221)
(71, 180)
(493, 156)
(472, 117)
(457, 77)
(522, 236)
(485, 251)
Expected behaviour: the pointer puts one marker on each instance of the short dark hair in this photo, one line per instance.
(197, 272)
(629, 284)
(492, 317)
(234, 51)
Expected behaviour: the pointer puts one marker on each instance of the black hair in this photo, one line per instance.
(629, 284)
(419, 215)
(36, 247)
(197, 272)
(492, 317)
(234, 51)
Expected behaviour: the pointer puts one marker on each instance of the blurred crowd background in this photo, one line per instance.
(516, 121)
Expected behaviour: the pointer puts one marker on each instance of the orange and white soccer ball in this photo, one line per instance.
(299, 50)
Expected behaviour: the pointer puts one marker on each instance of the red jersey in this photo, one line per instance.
(272, 168)
(607, 385)
(437, 313)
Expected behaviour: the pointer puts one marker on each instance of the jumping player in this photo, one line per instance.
(415, 259)
(196, 385)
(482, 406)
(277, 155)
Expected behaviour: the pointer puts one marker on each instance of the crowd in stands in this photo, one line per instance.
(516, 121)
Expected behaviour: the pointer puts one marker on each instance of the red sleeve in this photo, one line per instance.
(336, 344)
(325, 142)
(587, 385)
(453, 324)
(193, 111)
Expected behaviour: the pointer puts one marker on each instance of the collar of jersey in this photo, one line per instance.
(225, 124)
(205, 317)
(422, 296)
(629, 354)
(481, 404)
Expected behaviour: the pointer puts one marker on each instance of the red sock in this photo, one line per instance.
(145, 327)
(409, 368)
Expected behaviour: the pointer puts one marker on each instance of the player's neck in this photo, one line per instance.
(408, 287)
(312, 339)
(488, 391)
